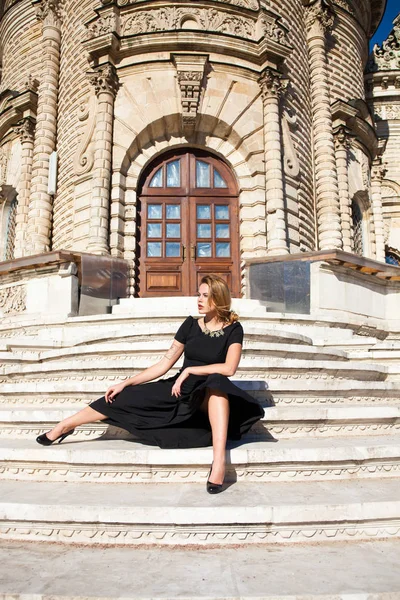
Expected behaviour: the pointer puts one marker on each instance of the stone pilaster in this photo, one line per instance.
(342, 145)
(105, 82)
(25, 129)
(271, 87)
(40, 213)
(377, 174)
(319, 17)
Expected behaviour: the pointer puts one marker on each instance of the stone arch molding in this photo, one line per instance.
(212, 135)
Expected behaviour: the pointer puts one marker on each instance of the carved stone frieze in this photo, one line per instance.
(3, 165)
(25, 129)
(273, 30)
(174, 17)
(384, 112)
(387, 56)
(105, 79)
(50, 12)
(249, 4)
(102, 26)
(321, 12)
(13, 299)
(84, 157)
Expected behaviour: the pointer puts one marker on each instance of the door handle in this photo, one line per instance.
(183, 253)
(193, 252)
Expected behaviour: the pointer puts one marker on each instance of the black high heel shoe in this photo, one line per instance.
(44, 440)
(213, 488)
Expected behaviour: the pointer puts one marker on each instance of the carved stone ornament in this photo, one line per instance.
(387, 56)
(173, 17)
(50, 12)
(342, 138)
(190, 86)
(31, 84)
(102, 26)
(320, 12)
(249, 4)
(13, 299)
(290, 160)
(84, 157)
(25, 129)
(379, 169)
(105, 79)
(384, 112)
(272, 84)
(3, 165)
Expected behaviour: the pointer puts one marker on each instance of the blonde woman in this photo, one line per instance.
(197, 407)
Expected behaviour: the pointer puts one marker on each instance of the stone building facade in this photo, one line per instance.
(189, 136)
(383, 96)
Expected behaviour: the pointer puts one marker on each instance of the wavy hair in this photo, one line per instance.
(220, 298)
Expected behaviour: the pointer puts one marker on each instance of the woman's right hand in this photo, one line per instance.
(113, 391)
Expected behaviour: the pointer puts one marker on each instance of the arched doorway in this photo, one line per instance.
(188, 224)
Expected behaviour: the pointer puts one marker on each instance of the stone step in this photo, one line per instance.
(259, 367)
(280, 421)
(360, 570)
(315, 389)
(115, 460)
(184, 514)
(134, 349)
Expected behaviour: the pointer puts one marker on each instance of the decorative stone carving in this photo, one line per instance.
(31, 84)
(102, 26)
(274, 30)
(105, 79)
(25, 129)
(50, 12)
(84, 156)
(322, 12)
(290, 161)
(173, 17)
(249, 4)
(3, 165)
(13, 299)
(190, 76)
(342, 138)
(387, 56)
(272, 84)
(385, 112)
(379, 169)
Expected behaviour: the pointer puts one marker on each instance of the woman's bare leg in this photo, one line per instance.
(86, 415)
(218, 413)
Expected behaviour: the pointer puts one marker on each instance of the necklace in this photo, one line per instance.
(216, 333)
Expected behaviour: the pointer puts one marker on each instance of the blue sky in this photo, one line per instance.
(392, 10)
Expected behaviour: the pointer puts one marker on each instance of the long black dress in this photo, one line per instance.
(155, 417)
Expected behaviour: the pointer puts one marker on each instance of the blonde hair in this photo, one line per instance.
(220, 297)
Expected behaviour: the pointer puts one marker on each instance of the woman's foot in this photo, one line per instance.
(217, 474)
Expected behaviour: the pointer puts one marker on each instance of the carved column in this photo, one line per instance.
(40, 214)
(378, 172)
(342, 145)
(25, 129)
(105, 81)
(319, 17)
(271, 87)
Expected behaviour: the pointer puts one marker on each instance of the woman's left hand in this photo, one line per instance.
(176, 389)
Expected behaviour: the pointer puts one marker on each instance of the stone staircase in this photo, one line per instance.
(323, 466)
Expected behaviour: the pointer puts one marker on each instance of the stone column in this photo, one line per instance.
(342, 145)
(40, 214)
(105, 81)
(271, 87)
(319, 18)
(378, 172)
(25, 129)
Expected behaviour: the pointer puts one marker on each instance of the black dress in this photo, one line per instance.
(155, 417)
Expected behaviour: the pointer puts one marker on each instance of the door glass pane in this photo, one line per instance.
(204, 230)
(203, 170)
(223, 249)
(219, 181)
(203, 211)
(203, 250)
(156, 180)
(174, 174)
(173, 211)
(154, 211)
(222, 231)
(153, 249)
(222, 212)
(173, 230)
(172, 249)
(154, 230)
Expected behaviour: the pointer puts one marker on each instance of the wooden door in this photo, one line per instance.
(188, 225)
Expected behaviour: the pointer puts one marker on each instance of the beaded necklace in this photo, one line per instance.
(216, 333)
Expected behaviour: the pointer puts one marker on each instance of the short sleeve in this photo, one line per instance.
(183, 330)
(236, 335)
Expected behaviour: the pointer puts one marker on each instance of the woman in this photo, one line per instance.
(197, 407)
